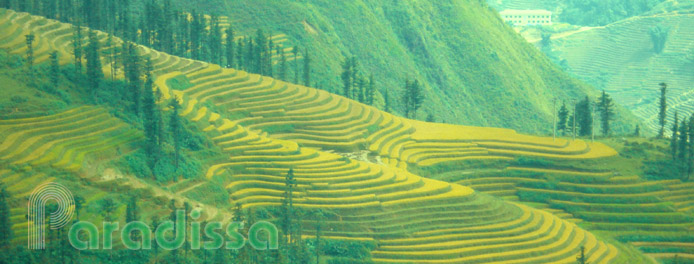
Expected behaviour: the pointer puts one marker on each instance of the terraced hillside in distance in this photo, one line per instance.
(621, 59)
(420, 192)
(400, 40)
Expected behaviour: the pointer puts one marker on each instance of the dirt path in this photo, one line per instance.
(211, 211)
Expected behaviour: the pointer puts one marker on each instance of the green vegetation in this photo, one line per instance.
(478, 65)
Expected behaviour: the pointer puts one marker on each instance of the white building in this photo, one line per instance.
(527, 17)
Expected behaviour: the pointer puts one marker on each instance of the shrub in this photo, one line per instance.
(664, 169)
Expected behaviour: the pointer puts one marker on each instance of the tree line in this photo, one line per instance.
(185, 34)
(580, 120)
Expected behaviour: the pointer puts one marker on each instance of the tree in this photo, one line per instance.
(108, 206)
(30, 53)
(307, 68)
(430, 118)
(606, 109)
(296, 64)
(637, 131)
(230, 49)
(347, 78)
(55, 68)
(582, 257)
(283, 64)
(659, 36)
(94, 69)
(77, 47)
(239, 54)
(175, 127)
(683, 144)
(288, 208)
(563, 116)
(662, 114)
(5, 224)
(79, 202)
(215, 41)
(674, 138)
(132, 215)
(546, 42)
(132, 72)
(572, 124)
(371, 93)
(268, 58)
(318, 240)
(584, 117)
(149, 122)
(386, 99)
(412, 98)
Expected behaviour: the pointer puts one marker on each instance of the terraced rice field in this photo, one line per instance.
(266, 127)
(62, 141)
(625, 51)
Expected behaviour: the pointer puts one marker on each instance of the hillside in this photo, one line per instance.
(621, 60)
(475, 70)
(418, 192)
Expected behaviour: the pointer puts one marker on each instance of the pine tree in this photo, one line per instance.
(288, 208)
(430, 118)
(55, 68)
(30, 53)
(318, 240)
(584, 117)
(563, 116)
(347, 78)
(283, 64)
(582, 257)
(230, 48)
(175, 127)
(215, 41)
(132, 215)
(570, 125)
(606, 109)
(239, 54)
(683, 143)
(371, 91)
(132, 71)
(412, 98)
(268, 58)
(77, 47)
(94, 69)
(5, 224)
(386, 99)
(674, 138)
(149, 121)
(307, 68)
(361, 93)
(296, 64)
(662, 114)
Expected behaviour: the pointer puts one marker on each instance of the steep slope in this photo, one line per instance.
(371, 201)
(476, 70)
(622, 61)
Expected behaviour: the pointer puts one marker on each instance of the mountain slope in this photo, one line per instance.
(369, 201)
(476, 70)
(622, 61)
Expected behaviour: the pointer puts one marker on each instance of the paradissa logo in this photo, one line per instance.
(169, 235)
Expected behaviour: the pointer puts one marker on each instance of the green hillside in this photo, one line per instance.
(475, 69)
(621, 60)
(375, 187)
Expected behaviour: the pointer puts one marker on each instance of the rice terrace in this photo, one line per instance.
(333, 132)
